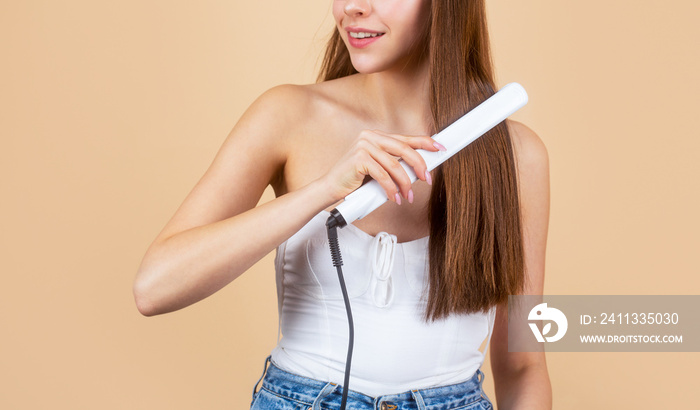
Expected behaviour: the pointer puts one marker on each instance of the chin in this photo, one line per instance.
(368, 66)
(375, 62)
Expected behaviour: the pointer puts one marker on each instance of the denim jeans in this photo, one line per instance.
(282, 390)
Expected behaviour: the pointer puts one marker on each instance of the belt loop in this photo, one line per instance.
(419, 399)
(480, 375)
(261, 377)
(327, 389)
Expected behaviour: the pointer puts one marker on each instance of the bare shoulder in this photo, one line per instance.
(291, 113)
(290, 124)
(532, 162)
(309, 92)
(291, 104)
(528, 147)
(282, 103)
(277, 117)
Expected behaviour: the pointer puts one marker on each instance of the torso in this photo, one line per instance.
(319, 135)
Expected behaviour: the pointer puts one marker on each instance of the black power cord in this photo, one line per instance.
(335, 221)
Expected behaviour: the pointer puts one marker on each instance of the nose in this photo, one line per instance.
(357, 8)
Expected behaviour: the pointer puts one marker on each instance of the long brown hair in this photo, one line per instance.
(476, 244)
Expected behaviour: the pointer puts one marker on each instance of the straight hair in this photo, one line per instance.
(476, 255)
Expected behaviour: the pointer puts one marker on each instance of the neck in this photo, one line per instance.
(399, 99)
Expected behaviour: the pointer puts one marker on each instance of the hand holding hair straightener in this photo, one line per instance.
(454, 138)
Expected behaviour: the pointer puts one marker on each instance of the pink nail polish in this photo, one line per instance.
(397, 197)
(428, 178)
(410, 196)
(439, 146)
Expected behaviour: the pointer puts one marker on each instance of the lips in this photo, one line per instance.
(359, 37)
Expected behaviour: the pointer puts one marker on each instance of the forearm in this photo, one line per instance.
(192, 265)
(527, 388)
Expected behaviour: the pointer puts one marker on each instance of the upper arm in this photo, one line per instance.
(251, 157)
(532, 164)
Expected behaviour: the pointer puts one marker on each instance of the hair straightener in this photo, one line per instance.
(370, 196)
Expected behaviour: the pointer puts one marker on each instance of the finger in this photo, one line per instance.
(392, 166)
(404, 151)
(425, 142)
(408, 153)
(379, 174)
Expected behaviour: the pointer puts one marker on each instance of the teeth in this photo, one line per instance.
(363, 35)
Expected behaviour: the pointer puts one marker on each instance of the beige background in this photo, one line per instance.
(111, 111)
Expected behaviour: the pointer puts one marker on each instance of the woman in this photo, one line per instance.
(395, 71)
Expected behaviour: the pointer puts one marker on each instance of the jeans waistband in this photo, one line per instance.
(304, 389)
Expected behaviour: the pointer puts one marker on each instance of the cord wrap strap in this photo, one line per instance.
(382, 257)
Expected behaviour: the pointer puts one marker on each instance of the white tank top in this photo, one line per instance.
(395, 349)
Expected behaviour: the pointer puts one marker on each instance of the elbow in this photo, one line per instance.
(145, 291)
(152, 289)
(144, 300)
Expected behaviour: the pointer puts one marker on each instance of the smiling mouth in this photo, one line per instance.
(365, 35)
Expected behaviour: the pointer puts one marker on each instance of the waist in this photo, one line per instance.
(312, 391)
(395, 350)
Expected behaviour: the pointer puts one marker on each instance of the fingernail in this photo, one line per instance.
(410, 196)
(397, 197)
(439, 146)
(428, 178)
